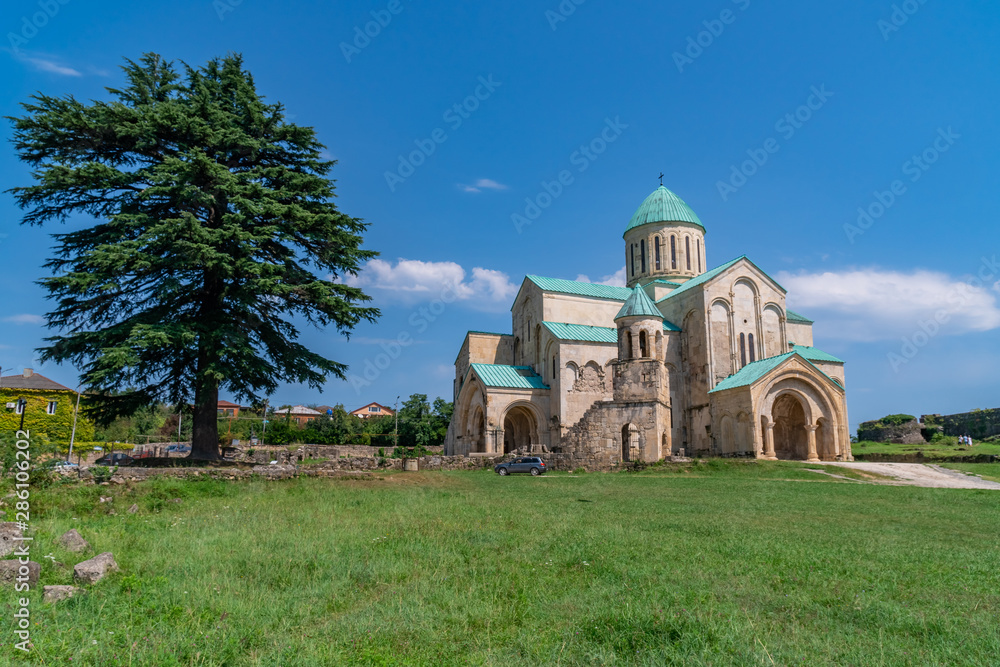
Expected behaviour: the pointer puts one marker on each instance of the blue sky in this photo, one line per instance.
(883, 96)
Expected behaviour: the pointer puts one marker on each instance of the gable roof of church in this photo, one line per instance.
(708, 275)
(792, 316)
(508, 377)
(814, 354)
(756, 370)
(589, 334)
(610, 292)
(639, 304)
(663, 206)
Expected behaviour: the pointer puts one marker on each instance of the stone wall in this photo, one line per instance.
(903, 434)
(979, 424)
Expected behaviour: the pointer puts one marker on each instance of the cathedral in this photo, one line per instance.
(683, 361)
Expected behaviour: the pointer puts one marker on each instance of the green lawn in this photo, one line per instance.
(988, 471)
(721, 564)
(943, 449)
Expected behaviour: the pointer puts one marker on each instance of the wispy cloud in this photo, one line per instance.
(872, 304)
(411, 281)
(482, 184)
(616, 279)
(24, 318)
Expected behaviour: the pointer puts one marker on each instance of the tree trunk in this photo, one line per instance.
(205, 433)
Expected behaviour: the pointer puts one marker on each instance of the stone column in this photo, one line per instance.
(769, 454)
(811, 436)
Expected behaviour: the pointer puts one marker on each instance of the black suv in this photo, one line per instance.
(531, 464)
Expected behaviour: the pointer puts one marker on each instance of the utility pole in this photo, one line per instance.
(23, 404)
(263, 429)
(396, 415)
(72, 436)
(180, 415)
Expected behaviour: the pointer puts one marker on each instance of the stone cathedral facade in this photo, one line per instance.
(684, 360)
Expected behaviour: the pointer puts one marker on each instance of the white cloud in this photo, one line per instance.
(47, 64)
(482, 184)
(616, 279)
(870, 304)
(412, 280)
(25, 318)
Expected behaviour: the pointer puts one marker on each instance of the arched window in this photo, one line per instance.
(553, 368)
(628, 344)
(642, 255)
(642, 344)
(687, 250)
(673, 252)
(633, 258)
(753, 354)
(697, 245)
(657, 253)
(743, 350)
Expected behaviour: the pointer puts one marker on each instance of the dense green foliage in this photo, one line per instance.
(893, 420)
(940, 447)
(213, 227)
(721, 564)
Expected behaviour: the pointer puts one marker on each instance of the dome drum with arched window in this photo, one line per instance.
(664, 240)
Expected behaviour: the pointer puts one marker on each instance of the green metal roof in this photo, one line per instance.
(581, 289)
(509, 377)
(659, 281)
(589, 334)
(663, 206)
(792, 316)
(639, 305)
(812, 354)
(582, 332)
(754, 371)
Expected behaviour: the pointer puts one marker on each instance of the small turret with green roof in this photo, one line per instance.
(639, 305)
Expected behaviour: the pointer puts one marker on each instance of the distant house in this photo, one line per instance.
(227, 409)
(373, 410)
(299, 414)
(47, 407)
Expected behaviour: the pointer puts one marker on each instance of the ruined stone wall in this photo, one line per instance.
(979, 424)
(904, 434)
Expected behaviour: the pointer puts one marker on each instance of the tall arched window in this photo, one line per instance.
(687, 250)
(697, 245)
(743, 350)
(657, 253)
(753, 354)
(628, 344)
(673, 252)
(642, 255)
(633, 258)
(643, 346)
(553, 368)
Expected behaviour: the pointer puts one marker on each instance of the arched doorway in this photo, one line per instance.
(790, 440)
(520, 429)
(477, 430)
(630, 442)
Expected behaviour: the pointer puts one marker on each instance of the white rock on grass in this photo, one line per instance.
(93, 570)
(10, 570)
(57, 593)
(8, 534)
(72, 540)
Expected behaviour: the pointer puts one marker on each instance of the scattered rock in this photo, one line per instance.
(56, 593)
(112, 513)
(73, 541)
(9, 532)
(107, 499)
(133, 509)
(10, 570)
(174, 500)
(93, 570)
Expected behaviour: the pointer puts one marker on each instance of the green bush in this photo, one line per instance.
(102, 473)
(896, 420)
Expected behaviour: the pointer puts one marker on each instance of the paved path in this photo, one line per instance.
(918, 474)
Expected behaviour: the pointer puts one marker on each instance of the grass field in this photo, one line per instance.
(721, 564)
(943, 449)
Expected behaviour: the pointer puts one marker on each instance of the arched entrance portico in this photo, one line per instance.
(789, 432)
(520, 429)
(477, 430)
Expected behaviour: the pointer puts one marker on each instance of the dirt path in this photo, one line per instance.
(918, 474)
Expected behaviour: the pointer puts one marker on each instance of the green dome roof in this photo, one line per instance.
(639, 305)
(663, 206)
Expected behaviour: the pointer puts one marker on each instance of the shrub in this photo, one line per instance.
(896, 420)
(102, 473)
